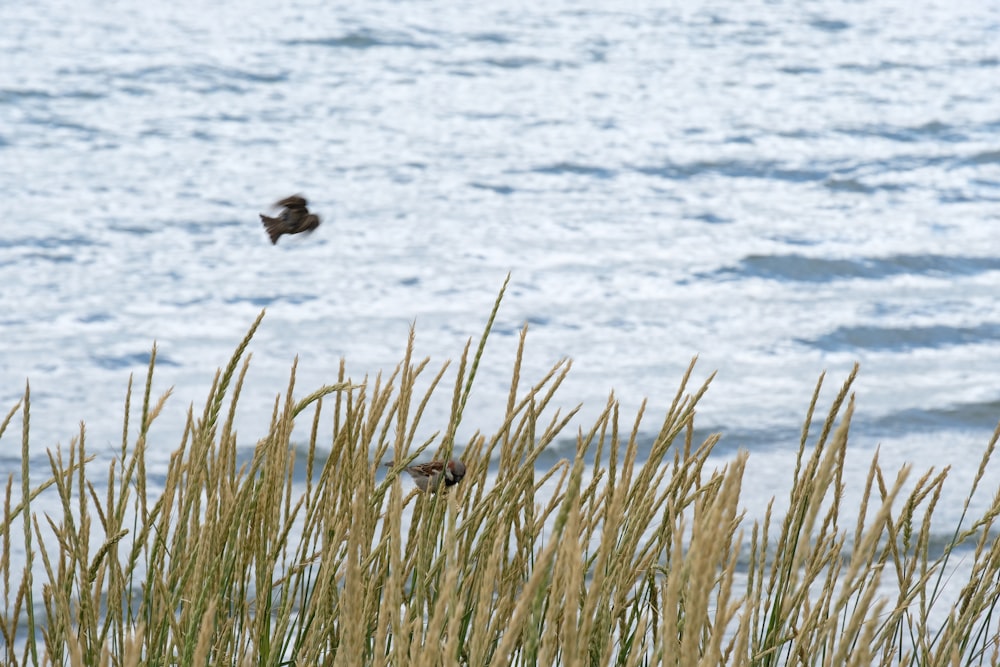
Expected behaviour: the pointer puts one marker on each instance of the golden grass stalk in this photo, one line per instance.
(633, 553)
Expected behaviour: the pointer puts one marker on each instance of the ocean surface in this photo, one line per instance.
(779, 188)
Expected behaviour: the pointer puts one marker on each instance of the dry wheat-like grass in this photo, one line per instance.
(626, 562)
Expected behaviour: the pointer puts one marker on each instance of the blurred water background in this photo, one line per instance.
(780, 188)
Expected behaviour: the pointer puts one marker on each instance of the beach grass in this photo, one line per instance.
(630, 552)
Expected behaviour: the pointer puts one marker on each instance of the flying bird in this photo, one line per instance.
(436, 474)
(293, 219)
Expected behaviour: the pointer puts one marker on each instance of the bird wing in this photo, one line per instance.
(295, 201)
(311, 222)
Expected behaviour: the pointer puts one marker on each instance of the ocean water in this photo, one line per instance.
(780, 188)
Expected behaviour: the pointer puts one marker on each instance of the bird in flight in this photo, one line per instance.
(293, 219)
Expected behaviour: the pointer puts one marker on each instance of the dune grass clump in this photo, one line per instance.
(627, 554)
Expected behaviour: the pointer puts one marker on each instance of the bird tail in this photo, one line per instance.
(273, 227)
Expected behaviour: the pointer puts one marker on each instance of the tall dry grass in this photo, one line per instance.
(639, 556)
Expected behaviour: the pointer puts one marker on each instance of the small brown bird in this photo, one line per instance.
(429, 475)
(295, 218)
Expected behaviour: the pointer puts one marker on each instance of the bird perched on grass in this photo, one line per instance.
(295, 218)
(432, 475)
